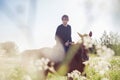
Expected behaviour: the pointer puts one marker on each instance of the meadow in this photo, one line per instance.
(103, 64)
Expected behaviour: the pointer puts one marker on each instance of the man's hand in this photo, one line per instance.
(67, 43)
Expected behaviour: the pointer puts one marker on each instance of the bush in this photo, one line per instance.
(111, 40)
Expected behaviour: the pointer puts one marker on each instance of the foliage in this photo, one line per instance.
(16, 73)
(111, 40)
(91, 74)
(114, 72)
(55, 77)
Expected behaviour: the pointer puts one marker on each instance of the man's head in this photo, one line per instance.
(65, 19)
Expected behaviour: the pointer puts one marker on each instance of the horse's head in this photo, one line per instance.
(85, 44)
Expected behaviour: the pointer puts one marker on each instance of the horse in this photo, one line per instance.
(74, 59)
(76, 55)
(77, 60)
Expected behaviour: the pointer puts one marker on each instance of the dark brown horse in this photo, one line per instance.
(80, 56)
(77, 60)
(76, 55)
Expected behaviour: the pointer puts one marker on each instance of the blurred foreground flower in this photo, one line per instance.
(104, 52)
(44, 64)
(76, 75)
(27, 77)
(101, 63)
(104, 79)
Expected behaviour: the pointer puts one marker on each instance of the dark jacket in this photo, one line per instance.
(64, 33)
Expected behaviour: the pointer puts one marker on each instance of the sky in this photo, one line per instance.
(33, 23)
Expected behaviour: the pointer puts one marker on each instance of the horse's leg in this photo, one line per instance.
(57, 65)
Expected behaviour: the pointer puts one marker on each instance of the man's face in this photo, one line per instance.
(65, 21)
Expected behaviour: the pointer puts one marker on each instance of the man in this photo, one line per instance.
(63, 32)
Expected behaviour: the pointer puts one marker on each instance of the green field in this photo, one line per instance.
(11, 69)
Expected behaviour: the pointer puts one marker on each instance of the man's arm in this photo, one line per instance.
(70, 34)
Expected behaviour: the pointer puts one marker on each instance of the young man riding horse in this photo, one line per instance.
(63, 33)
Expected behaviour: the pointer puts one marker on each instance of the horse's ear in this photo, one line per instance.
(90, 34)
(80, 35)
(85, 35)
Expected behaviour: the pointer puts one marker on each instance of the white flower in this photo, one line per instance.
(42, 64)
(99, 52)
(98, 46)
(100, 65)
(104, 48)
(104, 52)
(104, 79)
(102, 72)
(76, 75)
(27, 77)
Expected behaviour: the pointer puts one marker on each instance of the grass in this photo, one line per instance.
(13, 71)
(112, 74)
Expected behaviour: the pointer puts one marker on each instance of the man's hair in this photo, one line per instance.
(65, 16)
